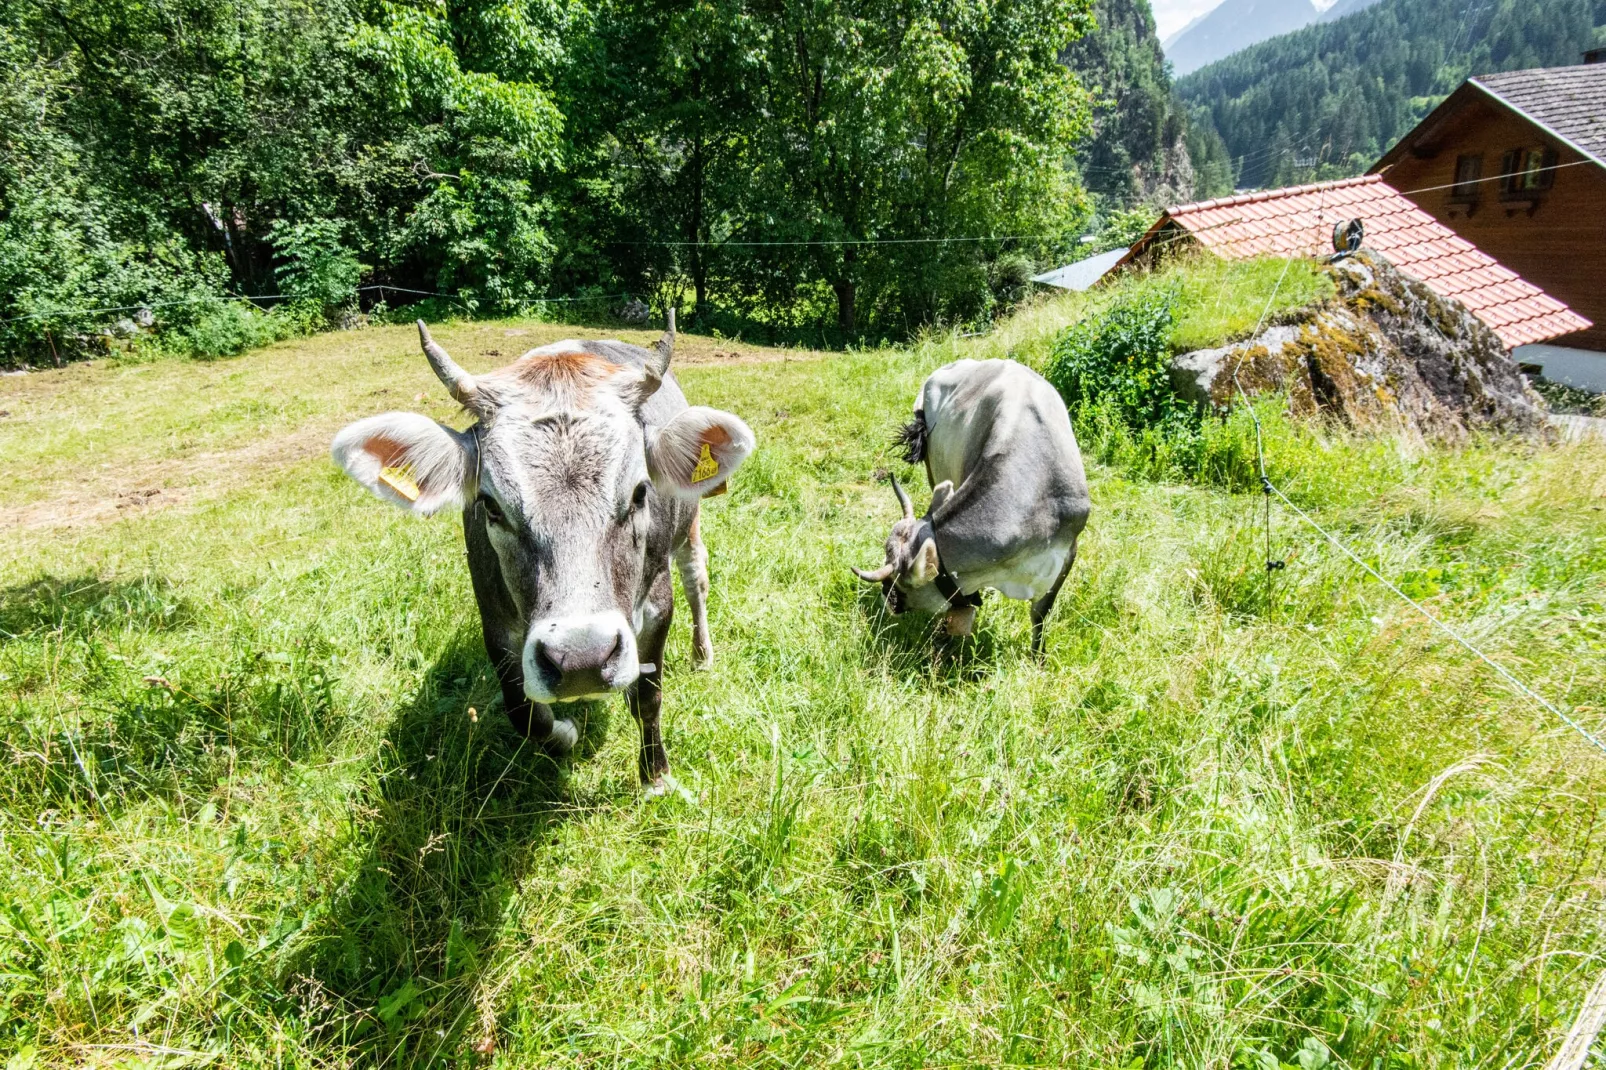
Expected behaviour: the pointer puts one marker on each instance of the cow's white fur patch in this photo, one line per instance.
(564, 735)
(1026, 576)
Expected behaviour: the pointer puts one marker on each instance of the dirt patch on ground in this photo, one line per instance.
(101, 496)
(98, 442)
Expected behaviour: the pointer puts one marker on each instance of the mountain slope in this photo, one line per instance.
(1345, 7)
(1142, 148)
(1234, 25)
(1327, 100)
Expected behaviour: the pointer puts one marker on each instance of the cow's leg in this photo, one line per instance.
(645, 696)
(506, 650)
(1045, 605)
(533, 720)
(691, 560)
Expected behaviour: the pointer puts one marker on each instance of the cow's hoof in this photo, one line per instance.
(666, 784)
(563, 738)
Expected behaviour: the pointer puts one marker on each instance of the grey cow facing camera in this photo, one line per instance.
(579, 482)
(1009, 497)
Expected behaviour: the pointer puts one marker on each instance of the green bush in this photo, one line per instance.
(1118, 360)
(316, 268)
(1112, 368)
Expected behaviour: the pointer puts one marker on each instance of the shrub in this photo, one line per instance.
(1119, 360)
(317, 270)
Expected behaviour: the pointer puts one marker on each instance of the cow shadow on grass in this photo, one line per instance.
(458, 808)
(914, 643)
(88, 605)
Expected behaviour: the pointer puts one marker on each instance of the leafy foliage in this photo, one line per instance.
(1119, 359)
(1326, 101)
(1111, 365)
(787, 162)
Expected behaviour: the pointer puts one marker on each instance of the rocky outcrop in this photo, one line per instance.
(1385, 352)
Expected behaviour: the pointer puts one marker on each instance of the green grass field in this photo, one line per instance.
(261, 808)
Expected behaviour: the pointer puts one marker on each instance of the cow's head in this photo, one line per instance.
(562, 471)
(908, 578)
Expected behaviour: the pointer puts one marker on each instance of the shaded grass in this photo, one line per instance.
(1211, 830)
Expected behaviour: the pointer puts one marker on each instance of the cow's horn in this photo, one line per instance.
(880, 575)
(903, 499)
(652, 375)
(458, 382)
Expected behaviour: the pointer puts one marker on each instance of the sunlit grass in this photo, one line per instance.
(260, 805)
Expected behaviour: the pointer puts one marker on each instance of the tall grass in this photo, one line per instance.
(261, 807)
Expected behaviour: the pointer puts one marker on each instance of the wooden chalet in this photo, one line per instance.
(1515, 163)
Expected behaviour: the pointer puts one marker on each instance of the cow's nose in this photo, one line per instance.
(578, 657)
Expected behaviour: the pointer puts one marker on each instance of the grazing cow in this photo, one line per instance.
(578, 482)
(1008, 499)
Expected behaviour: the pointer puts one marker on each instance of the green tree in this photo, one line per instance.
(661, 96)
(911, 121)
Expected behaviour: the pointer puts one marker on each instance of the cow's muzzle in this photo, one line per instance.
(567, 658)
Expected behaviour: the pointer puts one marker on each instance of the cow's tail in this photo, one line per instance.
(911, 438)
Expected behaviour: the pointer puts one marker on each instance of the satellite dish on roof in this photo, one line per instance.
(1347, 235)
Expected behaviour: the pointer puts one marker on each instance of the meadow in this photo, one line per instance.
(260, 808)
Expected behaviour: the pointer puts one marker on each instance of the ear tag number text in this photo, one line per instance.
(707, 467)
(400, 479)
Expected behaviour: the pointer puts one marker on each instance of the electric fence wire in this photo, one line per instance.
(65, 313)
(1269, 488)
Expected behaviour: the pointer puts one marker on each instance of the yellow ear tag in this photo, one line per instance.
(400, 479)
(707, 467)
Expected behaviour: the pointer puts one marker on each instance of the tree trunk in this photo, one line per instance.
(699, 261)
(844, 305)
(846, 315)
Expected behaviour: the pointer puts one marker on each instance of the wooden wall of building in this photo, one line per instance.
(1557, 241)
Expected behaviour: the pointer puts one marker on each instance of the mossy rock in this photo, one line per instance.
(1384, 352)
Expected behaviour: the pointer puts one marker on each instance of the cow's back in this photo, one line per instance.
(1001, 434)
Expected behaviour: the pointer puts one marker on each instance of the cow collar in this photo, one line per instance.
(948, 587)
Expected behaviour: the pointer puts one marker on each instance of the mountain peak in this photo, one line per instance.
(1236, 24)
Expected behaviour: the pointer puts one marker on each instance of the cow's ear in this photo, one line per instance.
(925, 566)
(696, 452)
(408, 459)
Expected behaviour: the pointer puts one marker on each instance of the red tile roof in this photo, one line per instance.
(1300, 219)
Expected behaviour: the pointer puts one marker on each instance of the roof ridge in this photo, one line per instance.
(1272, 194)
(1448, 263)
(1584, 69)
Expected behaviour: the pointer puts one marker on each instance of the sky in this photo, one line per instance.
(1171, 15)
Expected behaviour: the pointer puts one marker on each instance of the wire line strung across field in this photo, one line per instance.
(64, 313)
(284, 297)
(1271, 488)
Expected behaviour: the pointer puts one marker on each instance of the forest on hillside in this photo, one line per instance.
(1145, 148)
(1328, 100)
(782, 165)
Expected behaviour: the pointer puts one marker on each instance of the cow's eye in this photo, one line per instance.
(493, 512)
(639, 497)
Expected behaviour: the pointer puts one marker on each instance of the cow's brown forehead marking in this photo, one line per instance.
(574, 370)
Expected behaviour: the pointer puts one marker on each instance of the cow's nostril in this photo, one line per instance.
(546, 665)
